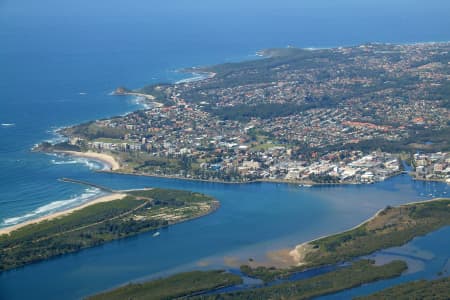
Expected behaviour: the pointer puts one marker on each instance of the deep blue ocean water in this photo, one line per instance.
(59, 60)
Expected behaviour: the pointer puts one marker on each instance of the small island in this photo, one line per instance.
(190, 285)
(177, 286)
(115, 216)
(392, 226)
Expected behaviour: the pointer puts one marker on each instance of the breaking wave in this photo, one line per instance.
(69, 160)
(56, 136)
(56, 206)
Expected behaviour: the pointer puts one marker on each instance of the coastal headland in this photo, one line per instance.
(300, 116)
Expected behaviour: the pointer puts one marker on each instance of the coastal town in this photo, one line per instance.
(308, 116)
(432, 166)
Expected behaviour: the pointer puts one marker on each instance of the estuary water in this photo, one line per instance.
(59, 61)
(253, 220)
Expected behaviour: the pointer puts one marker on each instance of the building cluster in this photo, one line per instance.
(369, 74)
(335, 167)
(432, 166)
(385, 94)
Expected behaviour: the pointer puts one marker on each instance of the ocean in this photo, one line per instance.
(60, 60)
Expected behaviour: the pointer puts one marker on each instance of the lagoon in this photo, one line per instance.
(253, 219)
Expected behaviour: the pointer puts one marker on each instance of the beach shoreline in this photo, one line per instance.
(101, 199)
(109, 160)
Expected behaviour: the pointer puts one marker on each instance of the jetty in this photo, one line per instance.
(82, 182)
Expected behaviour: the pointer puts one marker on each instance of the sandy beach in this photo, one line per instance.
(300, 251)
(112, 162)
(106, 198)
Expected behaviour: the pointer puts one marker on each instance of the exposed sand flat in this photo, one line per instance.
(280, 259)
(103, 157)
(299, 253)
(107, 198)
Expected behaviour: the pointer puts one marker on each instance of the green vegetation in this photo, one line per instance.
(394, 226)
(92, 131)
(424, 139)
(182, 166)
(267, 274)
(390, 227)
(423, 290)
(139, 211)
(157, 92)
(47, 147)
(179, 285)
(109, 140)
(244, 113)
(360, 272)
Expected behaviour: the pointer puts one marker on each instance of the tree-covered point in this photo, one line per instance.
(177, 286)
(64, 146)
(394, 226)
(138, 212)
(358, 273)
(417, 290)
(92, 131)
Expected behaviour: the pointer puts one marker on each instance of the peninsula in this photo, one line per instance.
(108, 218)
(392, 226)
(340, 115)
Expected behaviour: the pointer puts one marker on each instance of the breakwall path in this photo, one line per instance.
(100, 187)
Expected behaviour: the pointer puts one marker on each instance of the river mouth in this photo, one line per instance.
(253, 220)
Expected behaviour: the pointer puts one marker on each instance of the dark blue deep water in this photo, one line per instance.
(60, 59)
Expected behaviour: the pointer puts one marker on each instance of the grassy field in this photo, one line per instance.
(179, 285)
(138, 212)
